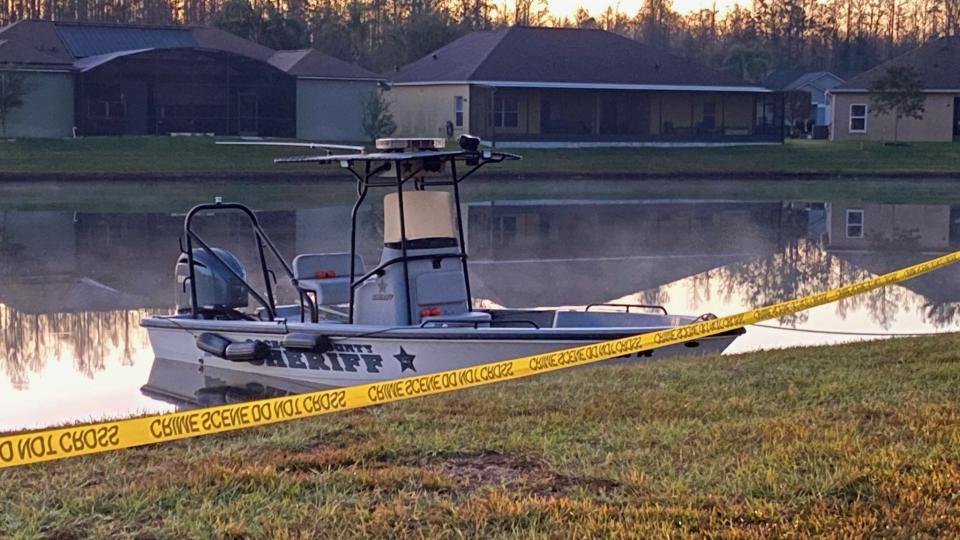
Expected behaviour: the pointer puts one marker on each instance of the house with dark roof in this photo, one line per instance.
(108, 79)
(938, 65)
(535, 86)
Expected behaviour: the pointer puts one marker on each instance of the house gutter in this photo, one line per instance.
(595, 86)
(318, 78)
(867, 91)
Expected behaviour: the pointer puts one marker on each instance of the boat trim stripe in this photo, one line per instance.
(437, 334)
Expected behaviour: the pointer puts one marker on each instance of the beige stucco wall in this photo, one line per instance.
(423, 111)
(936, 124)
(923, 226)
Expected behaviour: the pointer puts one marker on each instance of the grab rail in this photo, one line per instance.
(268, 303)
(476, 324)
(628, 306)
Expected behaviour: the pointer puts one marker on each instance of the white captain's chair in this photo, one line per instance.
(436, 286)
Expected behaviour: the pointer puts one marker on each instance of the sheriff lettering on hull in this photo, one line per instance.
(346, 357)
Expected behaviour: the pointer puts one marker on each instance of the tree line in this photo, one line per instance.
(843, 36)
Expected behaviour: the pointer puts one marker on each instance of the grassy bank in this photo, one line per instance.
(847, 441)
(186, 155)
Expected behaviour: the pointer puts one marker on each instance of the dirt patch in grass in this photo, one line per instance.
(531, 474)
(329, 456)
(462, 472)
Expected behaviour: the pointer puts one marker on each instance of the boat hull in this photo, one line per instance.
(373, 357)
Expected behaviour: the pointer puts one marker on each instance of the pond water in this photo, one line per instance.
(75, 284)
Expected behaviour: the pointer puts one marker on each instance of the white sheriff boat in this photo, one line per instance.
(410, 314)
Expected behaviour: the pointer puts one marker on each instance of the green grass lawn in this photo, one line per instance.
(178, 195)
(191, 155)
(851, 441)
(851, 159)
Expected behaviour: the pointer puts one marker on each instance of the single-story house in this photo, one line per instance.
(938, 65)
(111, 79)
(569, 85)
(816, 84)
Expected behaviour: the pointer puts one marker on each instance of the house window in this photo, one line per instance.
(854, 223)
(458, 111)
(506, 112)
(858, 118)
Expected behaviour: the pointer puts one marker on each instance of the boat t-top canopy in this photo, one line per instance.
(424, 162)
(397, 156)
(426, 166)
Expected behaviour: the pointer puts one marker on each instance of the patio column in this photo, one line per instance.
(596, 113)
(723, 114)
(659, 113)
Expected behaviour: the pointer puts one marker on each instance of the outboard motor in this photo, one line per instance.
(218, 290)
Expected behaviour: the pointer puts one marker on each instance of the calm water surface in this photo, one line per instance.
(74, 284)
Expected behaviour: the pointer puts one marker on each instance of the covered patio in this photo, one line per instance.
(506, 114)
(153, 92)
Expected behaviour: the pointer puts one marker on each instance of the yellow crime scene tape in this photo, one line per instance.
(51, 444)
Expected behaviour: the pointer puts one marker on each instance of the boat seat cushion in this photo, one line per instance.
(330, 291)
(470, 318)
(327, 275)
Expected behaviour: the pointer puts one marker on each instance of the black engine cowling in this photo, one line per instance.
(217, 288)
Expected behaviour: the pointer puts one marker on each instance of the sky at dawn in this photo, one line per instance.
(566, 8)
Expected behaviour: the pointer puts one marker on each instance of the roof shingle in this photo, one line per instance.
(67, 44)
(937, 63)
(313, 63)
(558, 55)
(33, 42)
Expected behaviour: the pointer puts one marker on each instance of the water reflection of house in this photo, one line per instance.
(132, 254)
(73, 284)
(874, 225)
(880, 238)
(36, 242)
(940, 289)
(148, 244)
(576, 252)
(557, 228)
